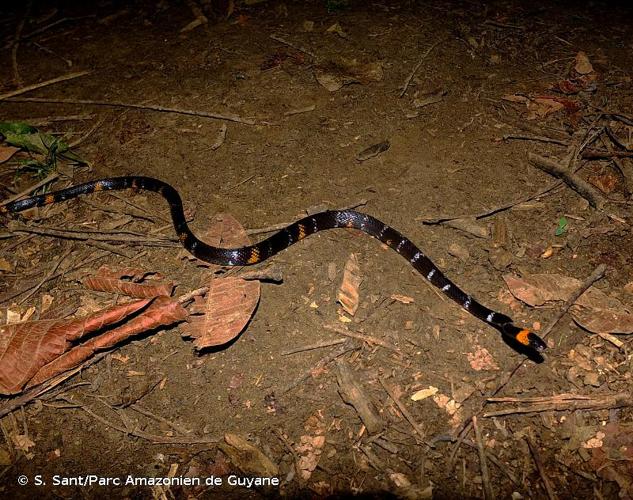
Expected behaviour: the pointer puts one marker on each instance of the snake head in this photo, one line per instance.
(524, 337)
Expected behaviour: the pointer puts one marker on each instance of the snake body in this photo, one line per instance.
(520, 338)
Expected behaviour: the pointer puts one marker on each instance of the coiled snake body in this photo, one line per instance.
(520, 338)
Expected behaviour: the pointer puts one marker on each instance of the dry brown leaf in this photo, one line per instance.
(230, 303)
(223, 313)
(603, 320)
(26, 347)
(594, 310)
(405, 299)
(347, 294)
(481, 359)
(309, 450)
(162, 311)
(6, 152)
(605, 182)
(582, 66)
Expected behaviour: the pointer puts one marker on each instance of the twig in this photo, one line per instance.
(120, 236)
(117, 104)
(143, 411)
(28, 88)
(365, 338)
(541, 469)
(346, 347)
(485, 474)
(16, 44)
(494, 210)
(577, 183)
(405, 412)
(405, 86)
(153, 438)
(561, 402)
(47, 276)
(277, 38)
(17, 293)
(597, 274)
(320, 345)
(539, 138)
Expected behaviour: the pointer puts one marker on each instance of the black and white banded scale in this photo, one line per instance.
(518, 337)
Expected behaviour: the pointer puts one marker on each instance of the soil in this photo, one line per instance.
(445, 159)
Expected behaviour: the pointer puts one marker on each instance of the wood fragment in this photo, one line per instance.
(353, 393)
(407, 82)
(361, 336)
(561, 402)
(577, 183)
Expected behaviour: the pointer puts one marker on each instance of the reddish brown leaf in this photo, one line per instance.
(230, 302)
(162, 311)
(26, 347)
(112, 280)
(228, 307)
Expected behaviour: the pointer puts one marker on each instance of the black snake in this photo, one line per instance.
(520, 338)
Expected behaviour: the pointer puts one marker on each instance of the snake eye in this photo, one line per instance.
(536, 342)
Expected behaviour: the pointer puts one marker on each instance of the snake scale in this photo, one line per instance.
(520, 338)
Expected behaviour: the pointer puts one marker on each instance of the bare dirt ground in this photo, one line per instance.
(155, 407)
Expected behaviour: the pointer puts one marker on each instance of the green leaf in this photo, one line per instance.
(18, 128)
(562, 226)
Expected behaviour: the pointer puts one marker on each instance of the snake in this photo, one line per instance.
(522, 339)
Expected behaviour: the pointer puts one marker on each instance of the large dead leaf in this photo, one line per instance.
(594, 310)
(26, 347)
(223, 313)
(129, 281)
(230, 302)
(162, 311)
(347, 294)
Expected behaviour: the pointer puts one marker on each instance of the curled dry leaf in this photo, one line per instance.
(27, 347)
(128, 281)
(162, 311)
(347, 294)
(227, 308)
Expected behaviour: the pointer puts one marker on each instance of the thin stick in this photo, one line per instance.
(405, 412)
(16, 44)
(117, 104)
(485, 474)
(541, 469)
(47, 276)
(416, 68)
(494, 210)
(277, 38)
(320, 345)
(347, 346)
(539, 138)
(28, 88)
(365, 338)
(593, 277)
